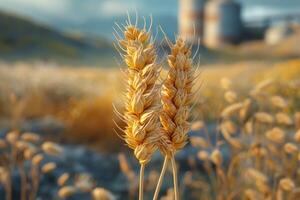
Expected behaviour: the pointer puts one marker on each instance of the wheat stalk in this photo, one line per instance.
(141, 107)
(176, 95)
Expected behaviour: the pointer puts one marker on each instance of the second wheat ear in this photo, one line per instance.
(176, 96)
(141, 100)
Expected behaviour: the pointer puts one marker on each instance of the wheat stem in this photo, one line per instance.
(161, 178)
(175, 178)
(141, 185)
(8, 187)
(23, 182)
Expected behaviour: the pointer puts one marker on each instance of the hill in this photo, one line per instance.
(22, 38)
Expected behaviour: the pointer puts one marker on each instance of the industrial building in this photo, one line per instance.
(215, 23)
(210, 23)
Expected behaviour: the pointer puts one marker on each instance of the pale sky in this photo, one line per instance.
(80, 13)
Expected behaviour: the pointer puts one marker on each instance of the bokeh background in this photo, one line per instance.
(60, 73)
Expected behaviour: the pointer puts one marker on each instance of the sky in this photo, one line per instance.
(84, 14)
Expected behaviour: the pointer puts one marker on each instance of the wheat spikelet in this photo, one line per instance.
(216, 157)
(21, 145)
(231, 109)
(262, 186)
(283, 118)
(297, 136)
(258, 151)
(176, 97)
(228, 126)
(66, 191)
(12, 137)
(37, 159)
(84, 182)
(141, 106)
(30, 152)
(230, 96)
(249, 127)
(141, 100)
(52, 149)
(30, 137)
(48, 167)
(264, 117)
(290, 148)
(244, 111)
(62, 180)
(287, 184)
(278, 102)
(203, 155)
(256, 175)
(258, 89)
(102, 194)
(276, 135)
(198, 125)
(199, 142)
(252, 195)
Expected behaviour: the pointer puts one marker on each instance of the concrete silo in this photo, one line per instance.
(190, 20)
(222, 19)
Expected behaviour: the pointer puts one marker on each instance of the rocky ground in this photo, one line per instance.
(104, 169)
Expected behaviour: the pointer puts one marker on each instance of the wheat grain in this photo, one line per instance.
(102, 194)
(37, 159)
(66, 191)
(264, 117)
(276, 135)
(228, 126)
(30, 137)
(283, 118)
(48, 167)
(230, 96)
(231, 109)
(297, 136)
(290, 148)
(216, 157)
(52, 149)
(278, 101)
(62, 180)
(199, 142)
(203, 155)
(12, 137)
(198, 125)
(287, 184)
(256, 175)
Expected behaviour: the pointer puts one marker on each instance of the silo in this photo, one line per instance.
(223, 24)
(191, 19)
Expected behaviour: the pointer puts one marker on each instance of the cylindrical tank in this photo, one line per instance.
(223, 24)
(191, 20)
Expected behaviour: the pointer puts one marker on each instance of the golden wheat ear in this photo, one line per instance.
(141, 99)
(176, 96)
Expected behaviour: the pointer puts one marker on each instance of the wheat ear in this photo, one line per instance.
(176, 95)
(141, 106)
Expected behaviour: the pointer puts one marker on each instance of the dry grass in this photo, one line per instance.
(82, 97)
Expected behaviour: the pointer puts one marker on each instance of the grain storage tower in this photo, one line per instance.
(190, 20)
(222, 23)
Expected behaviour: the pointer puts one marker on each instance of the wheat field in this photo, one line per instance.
(243, 143)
